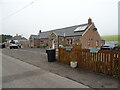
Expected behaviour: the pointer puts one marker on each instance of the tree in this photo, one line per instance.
(4, 37)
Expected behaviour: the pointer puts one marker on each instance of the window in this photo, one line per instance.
(69, 41)
(97, 42)
(77, 42)
(30, 40)
(41, 42)
(89, 42)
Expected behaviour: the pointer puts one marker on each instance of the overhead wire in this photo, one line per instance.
(19, 10)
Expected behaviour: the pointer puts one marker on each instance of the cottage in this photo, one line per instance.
(37, 41)
(21, 40)
(85, 34)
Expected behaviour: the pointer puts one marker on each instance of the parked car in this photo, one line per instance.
(109, 46)
(2, 45)
(116, 48)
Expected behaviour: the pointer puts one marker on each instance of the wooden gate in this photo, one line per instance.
(105, 61)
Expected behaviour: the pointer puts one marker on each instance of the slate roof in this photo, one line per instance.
(34, 36)
(69, 31)
(18, 38)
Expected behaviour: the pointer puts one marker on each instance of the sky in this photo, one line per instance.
(119, 20)
(24, 17)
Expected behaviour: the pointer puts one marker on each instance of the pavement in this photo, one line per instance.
(18, 74)
(38, 57)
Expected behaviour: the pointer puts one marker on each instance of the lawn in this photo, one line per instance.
(110, 38)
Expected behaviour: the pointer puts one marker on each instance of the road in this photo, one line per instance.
(18, 74)
(38, 57)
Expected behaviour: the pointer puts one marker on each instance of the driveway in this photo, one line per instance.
(38, 57)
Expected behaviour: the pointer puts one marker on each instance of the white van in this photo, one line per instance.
(14, 44)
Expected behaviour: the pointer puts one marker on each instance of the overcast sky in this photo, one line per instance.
(52, 14)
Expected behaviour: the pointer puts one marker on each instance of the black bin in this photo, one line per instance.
(51, 53)
(3, 45)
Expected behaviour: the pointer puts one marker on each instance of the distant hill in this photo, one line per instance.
(112, 38)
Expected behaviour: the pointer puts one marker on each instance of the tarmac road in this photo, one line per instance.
(38, 57)
(18, 74)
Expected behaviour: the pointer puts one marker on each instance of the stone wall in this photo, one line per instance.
(31, 43)
(91, 39)
(44, 42)
(24, 44)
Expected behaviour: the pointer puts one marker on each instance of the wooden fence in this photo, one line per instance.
(105, 61)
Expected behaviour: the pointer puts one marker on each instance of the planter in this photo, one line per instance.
(73, 64)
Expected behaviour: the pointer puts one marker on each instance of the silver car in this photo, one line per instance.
(109, 46)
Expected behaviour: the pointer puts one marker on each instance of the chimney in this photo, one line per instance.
(89, 21)
(16, 34)
(39, 31)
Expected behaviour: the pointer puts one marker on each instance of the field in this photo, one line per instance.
(110, 38)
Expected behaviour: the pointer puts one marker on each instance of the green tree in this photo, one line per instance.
(4, 37)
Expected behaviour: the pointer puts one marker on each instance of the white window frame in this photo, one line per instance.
(89, 42)
(97, 43)
(69, 41)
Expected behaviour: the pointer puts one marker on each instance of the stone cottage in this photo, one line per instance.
(85, 34)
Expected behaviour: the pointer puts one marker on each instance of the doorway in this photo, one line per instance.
(53, 43)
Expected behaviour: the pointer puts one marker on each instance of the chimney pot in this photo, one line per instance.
(16, 34)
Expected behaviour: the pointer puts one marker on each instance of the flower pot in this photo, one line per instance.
(73, 64)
